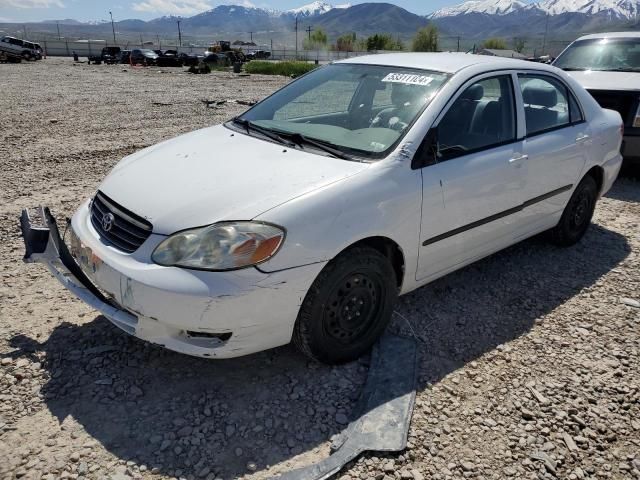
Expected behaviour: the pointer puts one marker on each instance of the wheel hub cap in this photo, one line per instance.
(352, 307)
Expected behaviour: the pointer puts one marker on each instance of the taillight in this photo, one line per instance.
(636, 120)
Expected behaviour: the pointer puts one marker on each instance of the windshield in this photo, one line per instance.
(358, 109)
(606, 54)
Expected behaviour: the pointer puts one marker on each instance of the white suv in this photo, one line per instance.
(608, 66)
(15, 46)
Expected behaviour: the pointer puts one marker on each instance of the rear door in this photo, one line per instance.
(556, 145)
(479, 174)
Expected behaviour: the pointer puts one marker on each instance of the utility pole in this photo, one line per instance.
(309, 29)
(24, 27)
(141, 42)
(296, 37)
(272, 46)
(546, 30)
(251, 36)
(58, 25)
(458, 48)
(179, 34)
(113, 28)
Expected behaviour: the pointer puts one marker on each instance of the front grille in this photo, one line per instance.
(625, 103)
(118, 226)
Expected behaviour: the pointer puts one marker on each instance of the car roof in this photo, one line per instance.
(447, 62)
(610, 35)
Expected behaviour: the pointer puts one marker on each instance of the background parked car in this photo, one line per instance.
(144, 56)
(108, 55)
(168, 58)
(16, 47)
(258, 55)
(124, 56)
(190, 59)
(608, 66)
(213, 59)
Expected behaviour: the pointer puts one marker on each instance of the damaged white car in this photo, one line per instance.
(305, 217)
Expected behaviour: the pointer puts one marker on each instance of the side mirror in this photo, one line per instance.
(427, 152)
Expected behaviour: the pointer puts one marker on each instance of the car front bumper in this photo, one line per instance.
(206, 314)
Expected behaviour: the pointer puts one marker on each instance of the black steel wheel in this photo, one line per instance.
(347, 308)
(577, 215)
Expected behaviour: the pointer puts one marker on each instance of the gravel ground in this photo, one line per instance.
(529, 360)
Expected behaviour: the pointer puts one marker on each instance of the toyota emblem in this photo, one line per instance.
(107, 221)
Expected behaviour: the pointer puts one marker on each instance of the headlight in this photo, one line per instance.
(222, 246)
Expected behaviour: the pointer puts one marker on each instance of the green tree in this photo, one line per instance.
(383, 41)
(426, 39)
(495, 43)
(519, 44)
(346, 42)
(317, 40)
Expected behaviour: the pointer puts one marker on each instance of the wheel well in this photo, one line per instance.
(597, 173)
(389, 249)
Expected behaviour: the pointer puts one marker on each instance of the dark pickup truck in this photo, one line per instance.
(109, 55)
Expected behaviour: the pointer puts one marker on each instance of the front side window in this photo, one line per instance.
(605, 54)
(361, 110)
(481, 117)
(546, 106)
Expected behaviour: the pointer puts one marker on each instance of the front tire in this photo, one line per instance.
(577, 215)
(347, 307)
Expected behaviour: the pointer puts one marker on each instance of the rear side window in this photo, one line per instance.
(547, 104)
(575, 114)
(483, 116)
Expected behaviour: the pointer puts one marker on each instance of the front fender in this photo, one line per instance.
(384, 201)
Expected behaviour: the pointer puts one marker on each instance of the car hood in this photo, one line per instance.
(215, 174)
(595, 80)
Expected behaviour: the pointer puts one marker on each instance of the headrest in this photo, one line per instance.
(474, 92)
(545, 96)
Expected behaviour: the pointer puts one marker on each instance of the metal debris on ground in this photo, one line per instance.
(383, 411)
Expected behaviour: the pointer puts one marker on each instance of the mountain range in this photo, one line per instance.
(471, 20)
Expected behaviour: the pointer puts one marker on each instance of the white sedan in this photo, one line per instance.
(305, 217)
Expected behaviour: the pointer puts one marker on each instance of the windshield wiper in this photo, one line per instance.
(573, 69)
(329, 148)
(249, 125)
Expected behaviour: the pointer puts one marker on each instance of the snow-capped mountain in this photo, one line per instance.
(617, 8)
(622, 9)
(490, 7)
(315, 8)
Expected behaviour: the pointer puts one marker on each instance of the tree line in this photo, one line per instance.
(425, 40)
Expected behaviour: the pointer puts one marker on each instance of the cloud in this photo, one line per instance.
(31, 3)
(171, 7)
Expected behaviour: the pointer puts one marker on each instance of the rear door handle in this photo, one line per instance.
(518, 158)
(582, 137)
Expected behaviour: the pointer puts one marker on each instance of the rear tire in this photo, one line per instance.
(347, 307)
(577, 215)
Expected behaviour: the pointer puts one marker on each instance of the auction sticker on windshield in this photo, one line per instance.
(408, 78)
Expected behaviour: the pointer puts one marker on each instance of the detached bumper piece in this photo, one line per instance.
(384, 410)
(43, 244)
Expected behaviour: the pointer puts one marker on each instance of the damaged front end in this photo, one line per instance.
(43, 244)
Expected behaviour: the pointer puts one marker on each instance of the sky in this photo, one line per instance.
(88, 10)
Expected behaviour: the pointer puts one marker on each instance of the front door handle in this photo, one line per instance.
(582, 137)
(518, 158)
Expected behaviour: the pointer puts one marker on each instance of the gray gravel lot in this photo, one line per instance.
(529, 359)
